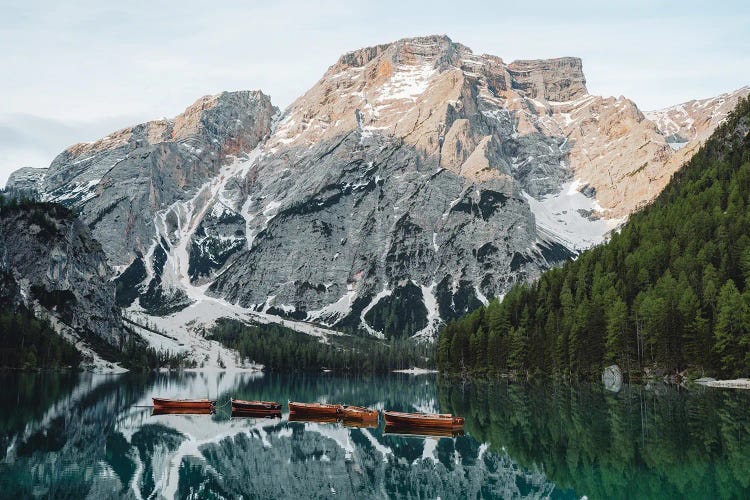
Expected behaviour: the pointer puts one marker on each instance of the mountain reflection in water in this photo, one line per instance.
(94, 436)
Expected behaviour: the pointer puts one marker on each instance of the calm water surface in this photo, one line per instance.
(87, 436)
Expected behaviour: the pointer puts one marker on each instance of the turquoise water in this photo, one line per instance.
(93, 436)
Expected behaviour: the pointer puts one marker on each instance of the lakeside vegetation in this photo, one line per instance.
(279, 348)
(657, 442)
(670, 291)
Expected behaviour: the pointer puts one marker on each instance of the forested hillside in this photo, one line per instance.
(279, 348)
(669, 291)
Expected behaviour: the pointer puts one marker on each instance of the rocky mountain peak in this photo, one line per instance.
(413, 181)
(558, 79)
(404, 51)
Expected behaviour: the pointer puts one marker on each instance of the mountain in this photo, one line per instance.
(669, 292)
(50, 264)
(410, 183)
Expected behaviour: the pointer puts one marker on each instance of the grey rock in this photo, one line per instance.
(612, 378)
(26, 181)
(58, 265)
(558, 79)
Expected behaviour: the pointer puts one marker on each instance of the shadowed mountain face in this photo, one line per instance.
(414, 179)
(54, 266)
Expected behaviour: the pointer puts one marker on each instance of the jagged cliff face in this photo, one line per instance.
(60, 272)
(413, 181)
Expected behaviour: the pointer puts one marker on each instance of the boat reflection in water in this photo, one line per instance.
(397, 430)
(320, 419)
(181, 411)
(360, 424)
(256, 413)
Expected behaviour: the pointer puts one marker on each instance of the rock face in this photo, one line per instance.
(60, 271)
(549, 80)
(414, 180)
(128, 186)
(27, 181)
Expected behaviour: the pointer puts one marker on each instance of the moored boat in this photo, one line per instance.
(321, 409)
(240, 405)
(359, 413)
(193, 404)
(429, 420)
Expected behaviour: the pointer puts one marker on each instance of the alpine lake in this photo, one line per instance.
(81, 435)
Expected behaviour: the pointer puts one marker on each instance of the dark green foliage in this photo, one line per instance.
(28, 343)
(670, 290)
(40, 213)
(282, 349)
(25, 341)
(138, 356)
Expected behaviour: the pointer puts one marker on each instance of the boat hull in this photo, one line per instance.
(319, 409)
(422, 420)
(359, 413)
(240, 405)
(190, 404)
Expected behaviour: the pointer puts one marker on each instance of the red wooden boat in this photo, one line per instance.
(192, 404)
(359, 413)
(428, 420)
(320, 409)
(240, 405)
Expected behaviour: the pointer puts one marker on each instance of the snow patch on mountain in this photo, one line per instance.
(407, 82)
(571, 218)
(433, 313)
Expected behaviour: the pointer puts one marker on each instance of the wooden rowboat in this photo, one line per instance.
(359, 413)
(240, 405)
(428, 420)
(320, 409)
(193, 404)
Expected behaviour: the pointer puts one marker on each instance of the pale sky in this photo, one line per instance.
(76, 70)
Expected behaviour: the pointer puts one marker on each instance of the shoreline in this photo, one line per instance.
(416, 371)
(738, 383)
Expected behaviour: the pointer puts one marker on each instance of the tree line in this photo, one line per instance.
(280, 348)
(669, 291)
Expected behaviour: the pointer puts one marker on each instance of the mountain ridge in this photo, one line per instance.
(391, 180)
